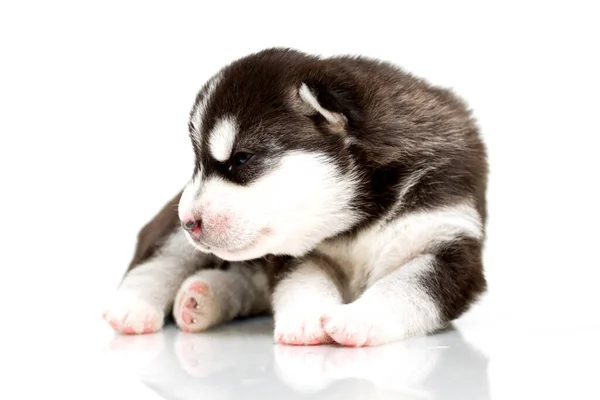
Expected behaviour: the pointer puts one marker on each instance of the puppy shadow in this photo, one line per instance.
(227, 347)
(134, 352)
(440, 366)
(241, 360)
(228, 361)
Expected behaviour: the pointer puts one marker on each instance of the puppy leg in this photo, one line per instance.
(147, 291)
(213, 296)
(418, 298)
(299, 300)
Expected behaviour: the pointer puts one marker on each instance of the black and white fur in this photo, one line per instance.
(369, 180)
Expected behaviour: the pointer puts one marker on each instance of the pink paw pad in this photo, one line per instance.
(191, 303)
(303, 335)
(187, 318)
(350, 335)
(193, 307)
(199, 287)
(315, 340)
(148, 329)
(294, 340)
(128, 330)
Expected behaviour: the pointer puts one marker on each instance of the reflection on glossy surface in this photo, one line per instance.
(240, 360)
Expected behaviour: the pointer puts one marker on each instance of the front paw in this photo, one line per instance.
(300, 328)
(130, 314)
(350, 326)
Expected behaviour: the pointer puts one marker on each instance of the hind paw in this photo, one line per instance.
(196, 308)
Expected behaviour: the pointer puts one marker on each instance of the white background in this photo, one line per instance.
(94, 99)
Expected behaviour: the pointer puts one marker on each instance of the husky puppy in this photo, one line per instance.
(344, 195)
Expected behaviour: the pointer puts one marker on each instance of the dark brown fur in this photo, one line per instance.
(457, 278)
(155, 232)
(398, 125)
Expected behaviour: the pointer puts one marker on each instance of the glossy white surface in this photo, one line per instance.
(240, 361)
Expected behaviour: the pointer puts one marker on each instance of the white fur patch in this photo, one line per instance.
(200, 108)
(383, 248)
(298, 321)
(393, 308)
(289, 210)
(335, 119)
(222, 138)
(188, 196)
(389, 259)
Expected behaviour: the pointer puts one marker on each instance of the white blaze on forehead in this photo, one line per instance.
(222, 137)
(198, 112)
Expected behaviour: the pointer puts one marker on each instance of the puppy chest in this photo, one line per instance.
(365, 258)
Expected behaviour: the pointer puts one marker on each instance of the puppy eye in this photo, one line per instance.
(241, 158)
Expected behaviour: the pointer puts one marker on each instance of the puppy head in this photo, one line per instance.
(272, 172)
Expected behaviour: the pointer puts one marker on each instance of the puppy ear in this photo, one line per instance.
(310, 105)
(330, 99)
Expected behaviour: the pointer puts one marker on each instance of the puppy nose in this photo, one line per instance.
(192, 225)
